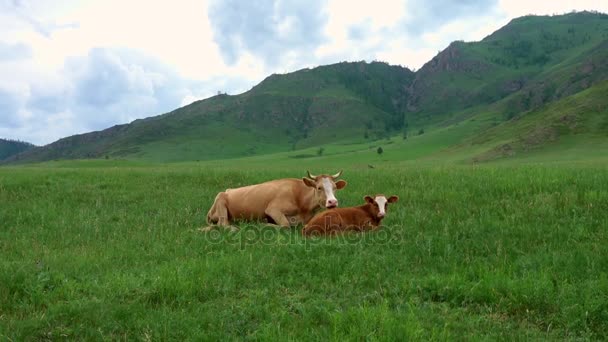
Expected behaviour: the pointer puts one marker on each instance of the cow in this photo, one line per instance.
(361, 218)
(282, 202)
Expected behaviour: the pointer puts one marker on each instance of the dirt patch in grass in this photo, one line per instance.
(538, 136)
(533, 139)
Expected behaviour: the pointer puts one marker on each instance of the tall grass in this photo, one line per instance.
(467, 252)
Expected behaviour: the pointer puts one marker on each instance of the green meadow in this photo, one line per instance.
(110, 250)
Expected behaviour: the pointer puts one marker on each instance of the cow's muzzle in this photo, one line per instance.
(331, 204)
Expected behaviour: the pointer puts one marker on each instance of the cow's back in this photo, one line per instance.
(251, 202)
(323, 223)
(338, 220)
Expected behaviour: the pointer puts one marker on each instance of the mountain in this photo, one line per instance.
(10, 148)
(541, 57)
(343, 101)
(579, 122)
(517, 72)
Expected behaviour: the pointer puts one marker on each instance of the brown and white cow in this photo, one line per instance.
(283, 202)
(361, 218)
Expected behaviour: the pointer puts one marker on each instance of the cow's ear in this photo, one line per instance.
(369, 199)
(309, 182)
(393, 199)
(340, 184)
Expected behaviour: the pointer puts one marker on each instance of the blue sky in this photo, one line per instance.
(69, 67)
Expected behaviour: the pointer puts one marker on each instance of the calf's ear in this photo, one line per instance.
(393, 199)
(340, 184)
(369, 199)
(309, 182)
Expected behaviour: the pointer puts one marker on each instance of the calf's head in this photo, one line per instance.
(325, 186)
(379, 204)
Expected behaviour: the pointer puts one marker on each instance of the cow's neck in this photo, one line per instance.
(309, 203)
(368, 208)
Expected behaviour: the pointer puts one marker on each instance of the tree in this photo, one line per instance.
(421, 131)
(380, 150)
(320, 151)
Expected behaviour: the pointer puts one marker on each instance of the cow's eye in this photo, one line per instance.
(318, 188)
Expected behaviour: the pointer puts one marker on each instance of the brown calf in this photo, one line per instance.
(364, 217)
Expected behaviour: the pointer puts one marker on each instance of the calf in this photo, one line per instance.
(364, 217)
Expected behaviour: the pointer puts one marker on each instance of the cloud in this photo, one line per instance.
(47, 97)
(423, 16)
(105, 87)
(18, 51)
(271, 30)
(105, 77)
(403, 32)
(9, 108)
(110, 86)
(517, 8)
(360, 31)
(22, 10)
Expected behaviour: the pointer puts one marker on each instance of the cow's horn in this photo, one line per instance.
(311, 176)
(337, 174)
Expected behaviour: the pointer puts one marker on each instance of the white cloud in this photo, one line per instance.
(95, 91)
(274, 32)
(518, 8)
(11, 106)
(16, 51)
(122, 61)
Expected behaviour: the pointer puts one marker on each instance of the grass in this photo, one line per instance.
(109, 250)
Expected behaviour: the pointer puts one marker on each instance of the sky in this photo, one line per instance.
(74, 66)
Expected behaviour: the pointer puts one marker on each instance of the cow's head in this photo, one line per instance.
(379, 204)
(324, 186)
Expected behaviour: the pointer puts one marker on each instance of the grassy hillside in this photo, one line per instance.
(346, 101)
(9, 148)
(574, 128)
(541, 57)
(577, 119)
(464, 95)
